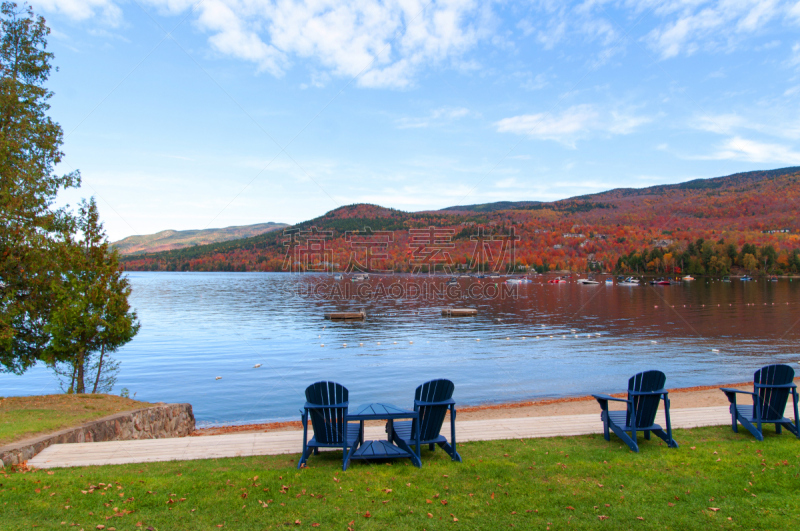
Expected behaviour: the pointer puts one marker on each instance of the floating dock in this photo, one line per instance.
(459, 312)
(334, 316)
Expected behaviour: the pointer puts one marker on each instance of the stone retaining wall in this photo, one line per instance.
(157, 422)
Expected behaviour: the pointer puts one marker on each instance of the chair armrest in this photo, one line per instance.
(442, 403)
(319, 406)
(607, 398)
(727, 390)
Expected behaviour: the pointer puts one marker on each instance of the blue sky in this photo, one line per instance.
(188, 115)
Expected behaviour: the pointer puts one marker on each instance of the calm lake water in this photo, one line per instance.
(197, 326)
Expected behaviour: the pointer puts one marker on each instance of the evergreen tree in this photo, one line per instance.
(91, 317)
(31, 231)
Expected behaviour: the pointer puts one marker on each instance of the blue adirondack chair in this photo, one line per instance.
(326, 405)
(432, 400)
(771, 388)
(645, 391)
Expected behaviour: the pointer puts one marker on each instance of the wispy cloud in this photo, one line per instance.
(436, 117)
(733, 123)
(576, 122)
(692, 26)
(738, 148)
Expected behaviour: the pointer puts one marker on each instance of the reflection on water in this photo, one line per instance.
(551, 340)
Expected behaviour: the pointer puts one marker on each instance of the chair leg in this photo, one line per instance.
(666, 438)
(734, 420)
(625, 437)
(752, 429)
(450, 451)
(647, 435)
(606, 434)
(778, 428)
(304, 457)
(431, 447)
(796, 429)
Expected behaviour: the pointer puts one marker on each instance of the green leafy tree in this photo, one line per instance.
(91, 317)
(749, 262)
(31, 230)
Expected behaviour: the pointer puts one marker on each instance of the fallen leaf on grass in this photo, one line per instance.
(639, 518)
(430, 515)
(428, 501)
(602, 517)
(314, 525)
(367, 515)
(297, 522)
(443, 502)
(671, 504)
(493, 495)
(715, 509)
(570, 507)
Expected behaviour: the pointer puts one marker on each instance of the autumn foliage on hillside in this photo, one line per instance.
(745, 221)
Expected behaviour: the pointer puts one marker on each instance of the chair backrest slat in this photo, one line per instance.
(772, 400)
(329, 424)
(431, 418)
(645, 407)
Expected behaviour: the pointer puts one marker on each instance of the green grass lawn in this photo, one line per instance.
(27, 416)
(715, 480)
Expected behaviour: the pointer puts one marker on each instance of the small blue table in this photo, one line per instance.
(384, 449)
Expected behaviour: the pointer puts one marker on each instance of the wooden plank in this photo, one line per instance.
(459, 312)
(345, 315)
(291, 442)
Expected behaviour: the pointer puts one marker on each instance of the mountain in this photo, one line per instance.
(176, 239)
(725, 218)
(740, 180)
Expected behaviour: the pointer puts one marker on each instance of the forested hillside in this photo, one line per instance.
(700, 226)
(176, 239)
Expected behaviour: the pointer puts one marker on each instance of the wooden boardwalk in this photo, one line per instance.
(290, 442)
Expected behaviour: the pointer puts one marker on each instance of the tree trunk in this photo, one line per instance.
(80, 386)
(99, 368)
(72, 382)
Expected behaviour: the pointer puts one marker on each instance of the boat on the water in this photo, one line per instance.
(357, 278)
(338, 276)
(587, 281)
(519, 280)
(558, 280)
(609, 280)
(745, 278)
(726, 279)
(688, 277)
(630, 281)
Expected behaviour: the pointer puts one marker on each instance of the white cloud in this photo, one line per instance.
(436, 117)
(738, 148)
(576, 122)
(691, 26)
(384, 43)
(107, 10)
(794, 60)
(731, 124)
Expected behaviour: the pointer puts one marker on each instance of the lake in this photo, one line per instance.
(198, 326)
